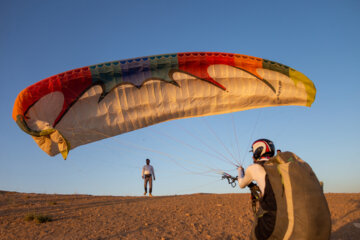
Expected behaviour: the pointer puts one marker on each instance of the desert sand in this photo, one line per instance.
(196, 216)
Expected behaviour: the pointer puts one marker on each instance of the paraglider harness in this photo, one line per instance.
(254, 189)
(255, 195)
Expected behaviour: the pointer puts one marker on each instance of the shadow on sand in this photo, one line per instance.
(350, 231)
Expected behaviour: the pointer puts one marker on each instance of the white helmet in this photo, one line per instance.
(263, 147)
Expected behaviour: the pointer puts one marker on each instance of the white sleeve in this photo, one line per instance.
(152, 171)
(142, 173)
(247, 179)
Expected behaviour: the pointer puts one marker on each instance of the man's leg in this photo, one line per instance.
(150, 185)
(145, 185)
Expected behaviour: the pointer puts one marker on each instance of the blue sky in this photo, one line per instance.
(319, 38)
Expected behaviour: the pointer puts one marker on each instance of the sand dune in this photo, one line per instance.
(197, 216)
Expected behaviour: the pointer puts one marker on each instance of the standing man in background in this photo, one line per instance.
(147, 174)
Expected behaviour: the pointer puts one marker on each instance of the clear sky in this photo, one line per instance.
(39, 39)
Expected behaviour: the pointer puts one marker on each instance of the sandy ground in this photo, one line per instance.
(197, 216)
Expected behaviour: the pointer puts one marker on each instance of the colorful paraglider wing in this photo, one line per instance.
(92, 103)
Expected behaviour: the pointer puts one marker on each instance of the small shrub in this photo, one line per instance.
(38, 218)
(42, 218)
(29, 217)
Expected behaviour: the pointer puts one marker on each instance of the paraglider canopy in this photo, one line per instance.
(88, 104)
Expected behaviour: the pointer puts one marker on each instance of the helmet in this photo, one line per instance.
(263, 147)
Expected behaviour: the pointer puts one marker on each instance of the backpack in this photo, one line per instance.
(302, 211)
